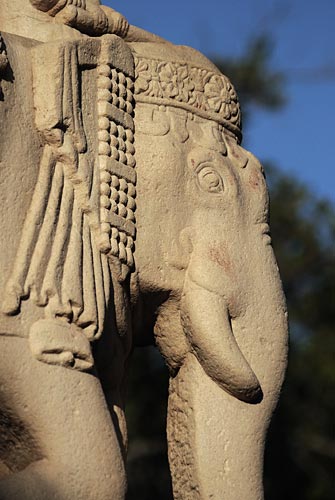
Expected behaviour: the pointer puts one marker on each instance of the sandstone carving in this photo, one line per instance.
(130, 214)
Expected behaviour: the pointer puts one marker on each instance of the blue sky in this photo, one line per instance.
(300, 138)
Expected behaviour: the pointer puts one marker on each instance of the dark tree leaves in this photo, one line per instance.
(257, 85)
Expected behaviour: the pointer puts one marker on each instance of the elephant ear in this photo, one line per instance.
(81, 218)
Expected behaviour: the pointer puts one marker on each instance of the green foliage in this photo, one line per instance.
(301, 444)
(256, 83)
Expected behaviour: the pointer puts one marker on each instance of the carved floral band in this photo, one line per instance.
(200, 91)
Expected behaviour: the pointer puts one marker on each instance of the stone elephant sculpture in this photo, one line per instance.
(220, 315)
(94, 126)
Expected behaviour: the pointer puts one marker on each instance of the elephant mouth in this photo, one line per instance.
(208, 326)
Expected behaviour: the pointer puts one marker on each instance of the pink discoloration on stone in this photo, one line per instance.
(220, 256)
(254, 180)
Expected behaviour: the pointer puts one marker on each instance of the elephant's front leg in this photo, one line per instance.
(72, 451)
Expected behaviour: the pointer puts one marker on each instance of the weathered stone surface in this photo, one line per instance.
(130, 211)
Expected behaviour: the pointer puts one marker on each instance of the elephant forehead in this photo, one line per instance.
(171, 145)
(178, 126)
(161, 185)
(161, 151)
(167, 129)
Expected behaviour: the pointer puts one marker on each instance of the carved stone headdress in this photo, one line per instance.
(183, 78)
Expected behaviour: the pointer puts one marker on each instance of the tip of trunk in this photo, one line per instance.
(249, 393)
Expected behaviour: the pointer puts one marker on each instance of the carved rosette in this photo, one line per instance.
(198, 90)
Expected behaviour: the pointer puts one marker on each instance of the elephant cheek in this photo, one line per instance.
(207, 326)
(169, 335)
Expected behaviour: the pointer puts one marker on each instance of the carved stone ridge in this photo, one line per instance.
(82, 212)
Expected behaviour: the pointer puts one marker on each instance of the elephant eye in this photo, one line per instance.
(209, 180)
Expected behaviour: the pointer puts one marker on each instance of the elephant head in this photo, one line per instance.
(205, 267)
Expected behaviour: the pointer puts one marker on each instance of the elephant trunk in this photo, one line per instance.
(222, 318)
(207, 325)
